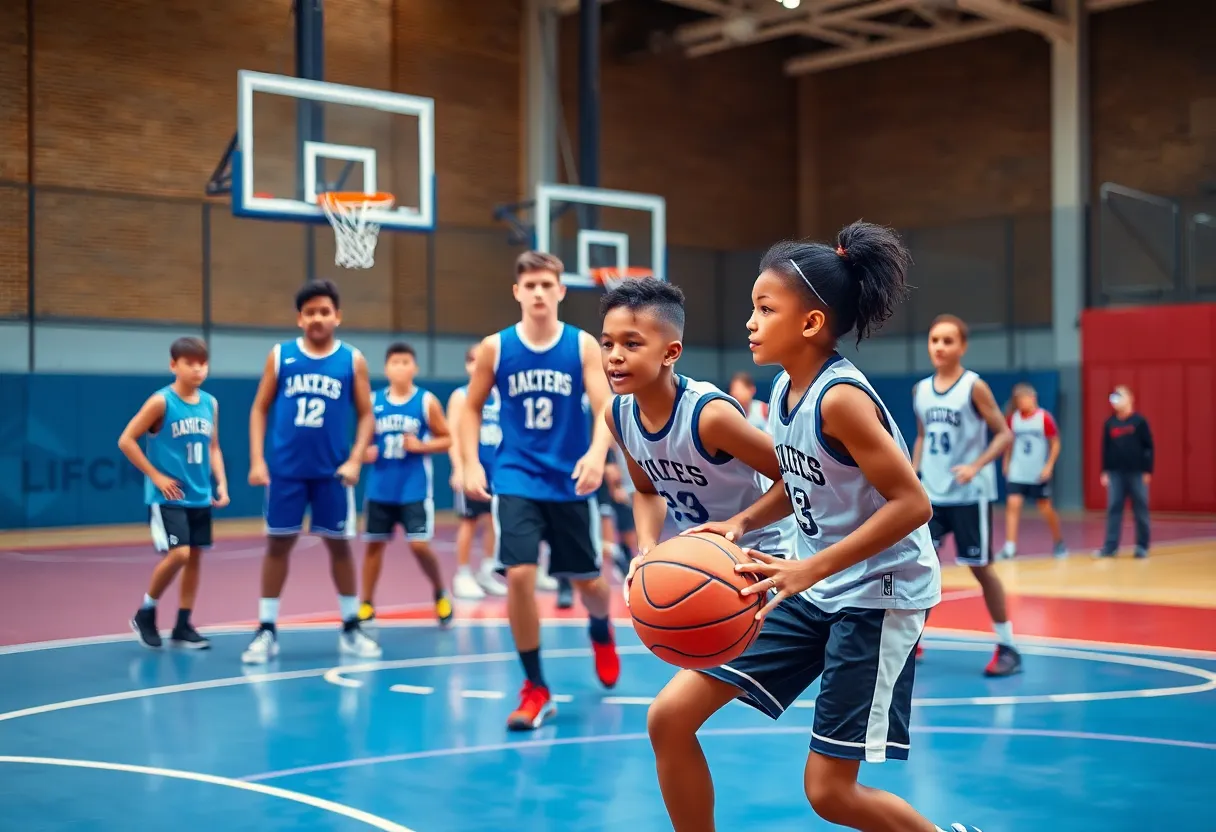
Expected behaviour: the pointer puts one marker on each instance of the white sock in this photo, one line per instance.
(1004, 632)
(1011, 548)
(348, 606)
(464, 569)
(268, 610)
(149, 602)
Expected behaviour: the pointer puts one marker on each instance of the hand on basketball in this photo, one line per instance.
(589, 472)
(730, 529)
(964, 473)
(258, 475)
(475, 486)
(348, 472)
(778, 575)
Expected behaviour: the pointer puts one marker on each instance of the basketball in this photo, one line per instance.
(686, 604)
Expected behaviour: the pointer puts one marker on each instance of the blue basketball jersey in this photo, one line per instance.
(544, 428)
(181, 449)
(312, 419)
(491, 431)
(399, 476)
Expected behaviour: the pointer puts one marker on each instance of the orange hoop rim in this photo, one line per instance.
(345, 199)
(603, 274)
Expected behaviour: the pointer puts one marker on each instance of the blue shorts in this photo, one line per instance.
(865, 658)
(330, 505)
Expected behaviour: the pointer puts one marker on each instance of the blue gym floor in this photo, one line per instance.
(101, 734)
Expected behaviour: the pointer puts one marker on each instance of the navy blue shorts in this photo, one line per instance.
(329, 503)
(865, 660)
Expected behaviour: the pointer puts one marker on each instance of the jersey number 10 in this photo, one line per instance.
(194, 453)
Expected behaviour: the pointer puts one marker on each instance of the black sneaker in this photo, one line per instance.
(565, 594)
(144, 626)
(189, 638)
(1006, 661)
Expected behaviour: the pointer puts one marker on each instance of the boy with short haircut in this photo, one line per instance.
(181, 423)
(400, 491)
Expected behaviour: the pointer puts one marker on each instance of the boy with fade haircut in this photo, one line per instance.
(466, 583)
(547, 470)
(410, 426)
(310, 388)
(181, 423)
(691, 452)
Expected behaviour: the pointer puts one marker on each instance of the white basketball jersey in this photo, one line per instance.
(699, 488)
(618, 456)
(1031, 446)
(832, 498)
(955, 434)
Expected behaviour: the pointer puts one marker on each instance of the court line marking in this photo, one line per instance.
(330, 674)
(483, 694)
(198, 777)
(714, 732)
(419, 689)
(235, 629)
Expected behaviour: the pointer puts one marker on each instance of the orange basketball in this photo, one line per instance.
(686, 604)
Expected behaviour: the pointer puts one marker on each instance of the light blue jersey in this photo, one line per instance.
(699, 488)
(832, 498)
(181, 449)
(313, 416)
(545, 431)
(398, 476)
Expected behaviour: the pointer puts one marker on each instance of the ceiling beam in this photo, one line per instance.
(1020, 17)
(915, 41)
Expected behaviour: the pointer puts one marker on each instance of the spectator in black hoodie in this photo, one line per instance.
(1127, 468)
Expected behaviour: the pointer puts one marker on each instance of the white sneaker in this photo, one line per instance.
(1008, 552)
(465, 586)
(355, 642)
(263, 648)
(488, 580)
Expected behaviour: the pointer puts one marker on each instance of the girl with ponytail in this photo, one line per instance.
(848, 603)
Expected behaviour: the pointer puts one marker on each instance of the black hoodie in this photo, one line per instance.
(1127, 445)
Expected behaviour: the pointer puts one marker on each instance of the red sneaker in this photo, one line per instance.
(535, 706)
(607, 663)
(920, 651)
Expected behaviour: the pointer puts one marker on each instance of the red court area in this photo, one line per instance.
(58, 593)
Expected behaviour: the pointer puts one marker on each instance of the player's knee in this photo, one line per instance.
(831, 797)
(178, 556)
(521, 578)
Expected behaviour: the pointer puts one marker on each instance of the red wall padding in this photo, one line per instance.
(1167, 356)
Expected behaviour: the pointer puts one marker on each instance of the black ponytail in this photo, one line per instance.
(859, 280)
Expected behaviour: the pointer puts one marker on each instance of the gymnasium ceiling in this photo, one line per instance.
(821, 34)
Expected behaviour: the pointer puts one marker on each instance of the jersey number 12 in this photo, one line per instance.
(310, 413)
(539, 413)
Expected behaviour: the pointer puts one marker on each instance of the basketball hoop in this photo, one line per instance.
(611, 277)
(354, 234)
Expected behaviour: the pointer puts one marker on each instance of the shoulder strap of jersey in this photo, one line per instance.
(616, 416)
(721, 457)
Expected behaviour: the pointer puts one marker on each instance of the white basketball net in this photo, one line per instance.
(354, 234)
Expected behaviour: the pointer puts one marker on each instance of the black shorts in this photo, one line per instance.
(572, 530)
(175, 526)
(865, 661)
(417, 519)
(467, 508)
(971, 526)
(1038, 491)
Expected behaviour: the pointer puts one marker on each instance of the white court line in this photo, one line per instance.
(483, 694)
(198, 777)
(422, 690)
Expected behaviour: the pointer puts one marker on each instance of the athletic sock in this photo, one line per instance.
(268, 611)
(1004, 632)
(531, 663)
(183, 618)
(149, 602)
(348, 607)
(598, 628)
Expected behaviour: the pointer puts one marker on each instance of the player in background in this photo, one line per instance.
(849, 606)
(620, 538)
(955, 410)
(467, 584)
(1029, 462)
(547, 469)
(181, 423)
(310, 389)
(743, 390)
(410, 426)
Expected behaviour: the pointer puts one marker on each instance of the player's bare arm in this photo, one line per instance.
(851, 420)
(365, 427)
(589, 471)
(723, 428)
(455, 409)
(649, 508)
(437, 425)
(1002, 435)
(145, 419)
(1053, 453)
(220, 499)
(918, 447)
(481, 382)
(258, 413)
